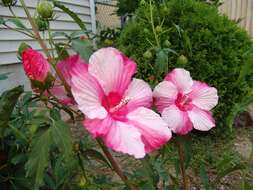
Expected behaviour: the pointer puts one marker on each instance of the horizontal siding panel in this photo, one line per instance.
(10, 35)
(60, 15)
(12, 45)
(55, 25)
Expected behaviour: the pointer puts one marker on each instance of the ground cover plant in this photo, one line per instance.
(90, 124)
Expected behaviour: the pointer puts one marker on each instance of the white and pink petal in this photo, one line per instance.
(139, 94)
(88, 94)
(112, 69)
(177, 120)
(98, 127)
(202, 120)
(181, 78)
(165, 94)
(153, 129)
(125, 138)
(68, 64)
(203, 96)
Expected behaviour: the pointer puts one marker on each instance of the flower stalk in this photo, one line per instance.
(43, 45)
(115, 165)
(181, 154)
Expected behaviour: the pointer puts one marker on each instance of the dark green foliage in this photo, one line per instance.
(214, 46)
(8, 101)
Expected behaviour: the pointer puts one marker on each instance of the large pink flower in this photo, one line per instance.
(35, 65)
(185, 104)
(116, 106)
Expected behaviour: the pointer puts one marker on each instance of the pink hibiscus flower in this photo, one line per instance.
(185, 104)
(116, 106)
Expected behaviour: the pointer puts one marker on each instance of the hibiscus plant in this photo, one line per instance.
(95, 89)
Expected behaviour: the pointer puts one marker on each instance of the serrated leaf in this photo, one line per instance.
(62, 138)
(96, 155)
(204, 178)
(73, 15)
(83, 47)
(39, 158)
(161, 62)
(8, 101)
(4, 76)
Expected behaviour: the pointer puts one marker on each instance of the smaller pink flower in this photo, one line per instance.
(65, 67)
(35, 65)
(184, 103)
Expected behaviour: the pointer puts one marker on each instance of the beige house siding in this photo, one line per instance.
(239, 9)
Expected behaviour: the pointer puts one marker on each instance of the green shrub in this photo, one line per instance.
(213, 45)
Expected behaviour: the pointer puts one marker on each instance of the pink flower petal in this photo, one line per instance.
(66, 66)
(59, 92)
(203, 96)
(177, 120)
(153, 129)
(98, 127)
(181, 79)
(139, 94)
(88, 94)
(165, 94)
(112, 69)
(125, 138)
(201, 120)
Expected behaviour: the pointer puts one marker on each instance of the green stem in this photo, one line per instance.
(43, 45)
(152, 24)
(115, 166)
(182, 163)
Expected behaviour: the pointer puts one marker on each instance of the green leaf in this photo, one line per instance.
(73, 15)
(8, 101)
(4, 76)
(58, 34)
(95, 154)
(61, 51)
(77, 34)
(204, 178)
(18, 23)
(39, 158)
(83, 47)
(19, 158)
(161, 62)
(62, 138)
(55, 114)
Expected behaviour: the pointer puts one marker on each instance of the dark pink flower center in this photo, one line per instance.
(183, 102)
(115, 104)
